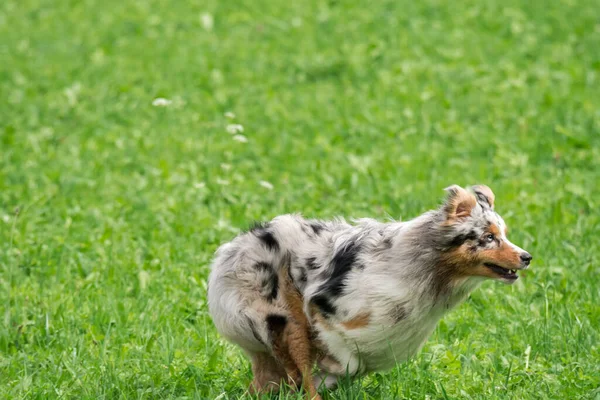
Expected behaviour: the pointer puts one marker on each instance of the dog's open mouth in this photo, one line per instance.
(503, 272)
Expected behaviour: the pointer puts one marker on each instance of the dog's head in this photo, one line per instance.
(475, 237)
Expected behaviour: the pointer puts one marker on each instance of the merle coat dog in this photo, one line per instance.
(353, 298)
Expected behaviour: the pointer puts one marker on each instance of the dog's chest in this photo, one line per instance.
(382, 343)
(381, 346)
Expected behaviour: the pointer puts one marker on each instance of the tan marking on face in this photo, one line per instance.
(359, 321)
(457, 264)
(494, 230)
(504, 256)
(462, 262)
(459, 257)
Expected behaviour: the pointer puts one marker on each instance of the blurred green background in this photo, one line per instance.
(136, 136)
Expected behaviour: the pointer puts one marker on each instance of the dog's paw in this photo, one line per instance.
(323, 380)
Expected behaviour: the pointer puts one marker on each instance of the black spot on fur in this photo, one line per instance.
(386, 243)
(274, 288)
(276, 323)
(324, 304)
(302, 278)
(275, 326)
(341, 263)
(269, 280)
(263, 266)
(399, 313)
(268, 239)
(462, 238)
(316, 227)
(311, 263)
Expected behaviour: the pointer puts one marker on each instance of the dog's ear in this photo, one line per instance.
(459, 203)
(484, 194)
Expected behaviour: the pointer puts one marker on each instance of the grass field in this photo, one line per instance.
(112, 202)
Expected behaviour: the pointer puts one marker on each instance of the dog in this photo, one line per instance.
(353, 298)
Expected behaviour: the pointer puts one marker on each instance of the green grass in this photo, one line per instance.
(111, 208)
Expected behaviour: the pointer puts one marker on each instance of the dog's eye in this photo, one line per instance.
(489, 238)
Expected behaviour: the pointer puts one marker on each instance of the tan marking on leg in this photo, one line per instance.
(303, 355)
(359, 321)
(268, 373)
(318, 318)
(297, 335)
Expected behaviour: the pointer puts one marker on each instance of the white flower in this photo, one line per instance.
(161, 102)
(241, 138)
(225, 167)
(222, 182)
(229, 115)
(72, 93)
(207, 21)
(266, 185)
(199, 185)
(234, 128)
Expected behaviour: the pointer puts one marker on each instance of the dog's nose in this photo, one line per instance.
(526, 258)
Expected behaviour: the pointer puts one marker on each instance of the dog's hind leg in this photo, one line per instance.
(301, 353)
(268, 373)
(297, 335)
